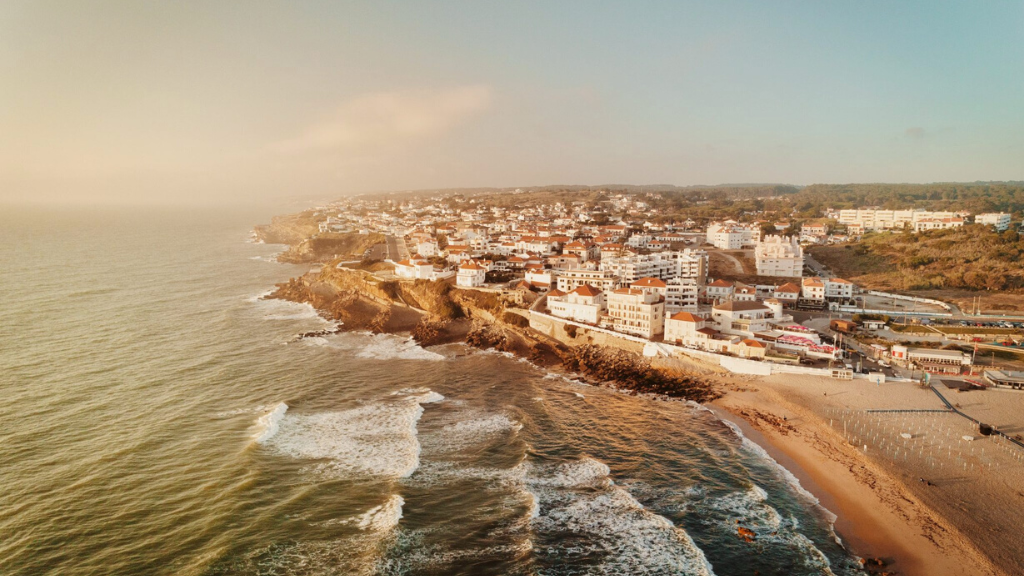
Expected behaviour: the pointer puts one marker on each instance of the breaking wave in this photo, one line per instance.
(376, 439)
(267, 424)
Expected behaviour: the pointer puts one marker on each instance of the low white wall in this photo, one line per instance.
(939, 303)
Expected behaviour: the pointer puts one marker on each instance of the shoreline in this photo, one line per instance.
(876, 515)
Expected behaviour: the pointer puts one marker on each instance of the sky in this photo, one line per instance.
(164, 102)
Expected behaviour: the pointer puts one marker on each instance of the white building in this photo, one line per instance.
(684, 328)
(681, 294)
(779, 256)
(937, 224)
(813, 289)
(838, 289)
(428, 249)
(584, 304)
(569, 280)
(874, 219)
(471, 275)
(741, 318)
(719, 290)
(999, 220)
(541, 278)
(635, 311)
(732, 236)
(631, 267)
(414, 269)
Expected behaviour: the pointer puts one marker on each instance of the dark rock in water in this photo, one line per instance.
(319, 333)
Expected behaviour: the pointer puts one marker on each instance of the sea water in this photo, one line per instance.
(160, 417)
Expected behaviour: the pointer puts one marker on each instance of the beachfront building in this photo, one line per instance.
(471, 275)
(569, 280)
(740, 318)
(779, 256)
(635, 311)
(685, 327)
(999, 220)
(584, 304)
(414, 269)
(681, 294)
(930, 360)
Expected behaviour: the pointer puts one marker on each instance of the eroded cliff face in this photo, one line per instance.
(329, 246)
(291, 229)
(435, 313)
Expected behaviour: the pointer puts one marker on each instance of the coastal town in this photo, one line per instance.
(904, 405)
(744, 291)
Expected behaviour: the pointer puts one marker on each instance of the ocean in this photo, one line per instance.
(159, 417)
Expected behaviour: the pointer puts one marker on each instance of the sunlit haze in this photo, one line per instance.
(177, 102)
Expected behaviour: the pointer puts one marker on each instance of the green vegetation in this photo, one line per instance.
(972, 257)
(976, 198)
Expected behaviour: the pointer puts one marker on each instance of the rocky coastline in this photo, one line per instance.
(435, 314)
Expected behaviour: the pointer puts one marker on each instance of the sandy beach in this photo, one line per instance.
(911, 502)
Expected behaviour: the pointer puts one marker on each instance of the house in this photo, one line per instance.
(635, 311)
(788, 294)
(813, 289)
(540, 278)
(584, 304)
(743, 293)
(414, 268)
(471, 275)
(655, 286)
(719, 291)
(741, 318)
(683, 328)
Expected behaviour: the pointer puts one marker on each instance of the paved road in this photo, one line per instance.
(393, 253)
(813, 264)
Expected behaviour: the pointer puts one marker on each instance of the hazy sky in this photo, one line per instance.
(165, 101)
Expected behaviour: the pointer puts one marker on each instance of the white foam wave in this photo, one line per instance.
(377, 439)
(788, 476)
(582, 514)
(390, 347)
(383, 517)
(750, 509)
(268, 424)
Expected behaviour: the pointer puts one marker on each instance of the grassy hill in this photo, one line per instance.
(968, 258)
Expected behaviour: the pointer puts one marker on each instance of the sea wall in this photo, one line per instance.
(577, 334)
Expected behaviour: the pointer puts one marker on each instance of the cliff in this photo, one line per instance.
(436, 313)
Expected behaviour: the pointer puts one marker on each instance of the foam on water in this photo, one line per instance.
(383, 517)
(390, 347)
(267, 425)
(792, 480)
(583, 517)
(376, 439)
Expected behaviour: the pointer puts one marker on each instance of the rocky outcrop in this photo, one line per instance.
(327, 247)
(435, 313)
(629, 371)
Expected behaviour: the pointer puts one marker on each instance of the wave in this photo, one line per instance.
(383, 517)
(390, 347)
(788, 476)
(750, 509)
(268, 423)
(376, 439)
(584, 517)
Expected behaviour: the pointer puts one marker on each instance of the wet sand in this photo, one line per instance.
(878, 516)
